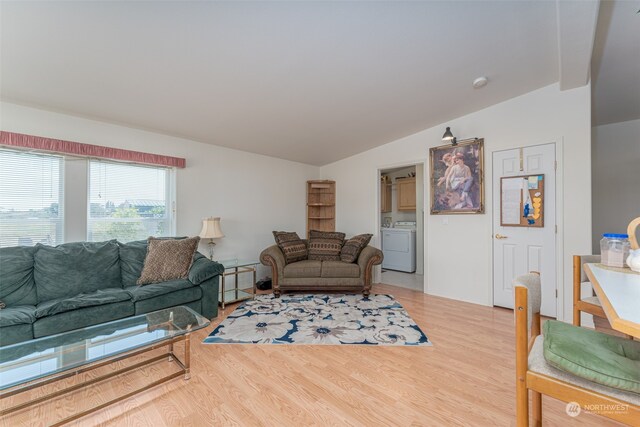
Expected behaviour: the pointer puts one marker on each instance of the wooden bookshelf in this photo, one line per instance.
(321, 205)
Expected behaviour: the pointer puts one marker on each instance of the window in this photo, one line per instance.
(128, 202)
(31, 199)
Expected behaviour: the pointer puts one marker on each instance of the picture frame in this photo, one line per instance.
(457, 178)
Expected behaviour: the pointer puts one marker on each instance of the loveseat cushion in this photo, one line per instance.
(76, 268)
(17, 286)
(139, 293)
(301, 269)
(337, 269)
(602, 358)
(18, 315)
(99, 297)
(352, 247)
(292, 246)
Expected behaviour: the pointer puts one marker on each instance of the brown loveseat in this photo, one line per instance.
(308, 275)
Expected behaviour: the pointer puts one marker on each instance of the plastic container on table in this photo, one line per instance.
(614, 249)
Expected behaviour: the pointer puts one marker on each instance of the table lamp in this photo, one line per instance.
(211, 230)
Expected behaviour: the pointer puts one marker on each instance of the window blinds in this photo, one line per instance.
(31, 199)
(128, 202)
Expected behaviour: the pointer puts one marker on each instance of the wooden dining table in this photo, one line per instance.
(619, 293)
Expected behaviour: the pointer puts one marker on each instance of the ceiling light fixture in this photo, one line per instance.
(480, 82)
(448, 136)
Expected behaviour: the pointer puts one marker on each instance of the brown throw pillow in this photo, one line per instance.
(168, 259)
(291, 245)
(325, 245)
(352, 247)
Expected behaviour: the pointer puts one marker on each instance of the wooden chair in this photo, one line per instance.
(590, 304)
(535, 374)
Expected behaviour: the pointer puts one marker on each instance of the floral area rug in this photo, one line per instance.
(319, 319)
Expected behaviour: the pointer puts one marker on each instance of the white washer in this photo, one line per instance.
(399, 247)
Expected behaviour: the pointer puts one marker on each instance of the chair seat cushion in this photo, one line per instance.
(140, 293)
(18, 315)
(604, 359)
(99, 297)
(337, 269)
(538, 364)
(306, 268)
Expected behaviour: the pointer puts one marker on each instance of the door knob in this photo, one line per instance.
(500, 236)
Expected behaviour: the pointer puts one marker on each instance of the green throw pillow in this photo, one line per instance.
(604, 359)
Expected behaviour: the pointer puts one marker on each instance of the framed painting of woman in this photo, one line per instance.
(457, 178)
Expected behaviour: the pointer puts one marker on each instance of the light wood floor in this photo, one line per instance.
(466, 378)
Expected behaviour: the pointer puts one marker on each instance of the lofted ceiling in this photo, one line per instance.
(308, 81)
(616, 63)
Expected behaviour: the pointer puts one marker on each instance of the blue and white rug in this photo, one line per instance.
(319, 319)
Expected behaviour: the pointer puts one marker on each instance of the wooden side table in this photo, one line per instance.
(235, 267)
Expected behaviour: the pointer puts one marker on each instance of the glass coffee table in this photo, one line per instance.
(31, 364)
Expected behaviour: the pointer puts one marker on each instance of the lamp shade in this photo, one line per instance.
(211, 228)
(448, 136)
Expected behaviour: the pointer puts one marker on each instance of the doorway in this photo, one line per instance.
(522, 243)
(401, 220)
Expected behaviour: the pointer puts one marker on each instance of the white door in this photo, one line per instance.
(519, 250)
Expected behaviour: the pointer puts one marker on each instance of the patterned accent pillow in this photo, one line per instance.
(326, 235)
(325, 245)
(291, 245)
(168, 259)
(2, 305)
(352, 248)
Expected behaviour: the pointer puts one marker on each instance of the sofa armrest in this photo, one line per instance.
(274, 258)
(203, 269)
(369, 257)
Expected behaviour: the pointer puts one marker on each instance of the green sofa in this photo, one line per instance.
(48, 290)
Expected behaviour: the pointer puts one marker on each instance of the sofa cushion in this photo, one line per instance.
(306, 268)
(168, 259)
(604, 359)
(81, 317)
(18, 315)
(17, 286)
(139, 293)
(189, 297)
(132, 255)
(99, 297)
(352, 247)
(337, 269)
(76, 268)
(292, 246)
(203, 269)
(325, 245)
(15, 334)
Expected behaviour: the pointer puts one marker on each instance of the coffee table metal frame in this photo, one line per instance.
(170, 355)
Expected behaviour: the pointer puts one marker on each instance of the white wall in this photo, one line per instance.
(253, 194)
(461, 268)
(616, 178)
